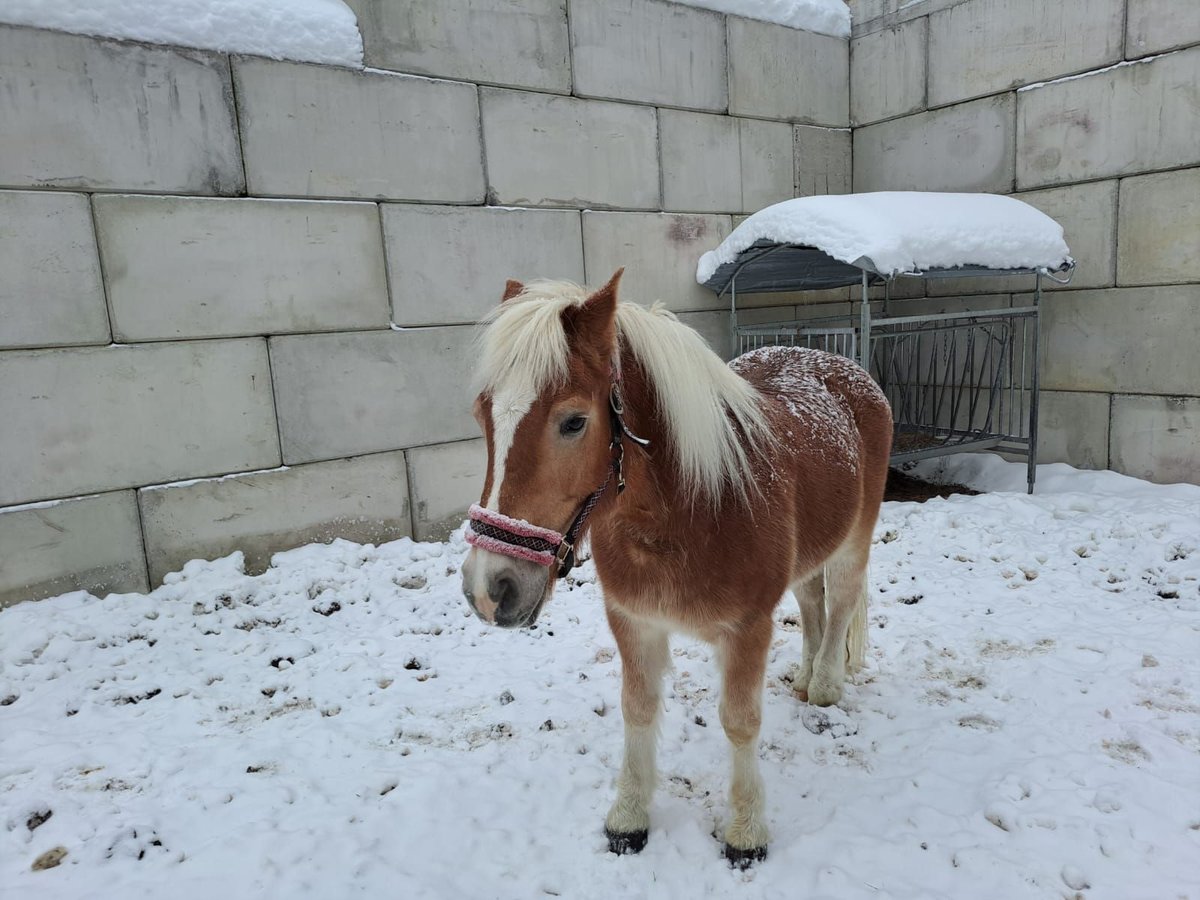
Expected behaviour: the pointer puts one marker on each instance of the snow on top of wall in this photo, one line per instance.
(321, 31)
(822, 16)
(904, 231)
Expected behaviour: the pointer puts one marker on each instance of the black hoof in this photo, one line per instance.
(744, 859)
(622, 842)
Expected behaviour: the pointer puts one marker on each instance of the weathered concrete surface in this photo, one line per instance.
(700, 153)
(169, 126)
(363, 499)
(320, 131)
(50, 290)
(767, 163)
(446, 479)
(823, 160)
(777, 72)
(968, 147)
(1088, 215)
(1125, 120)
(650, 52)
(447, 264)
(887, 72)
(1099, 340)
(1157, 25)
(100, 418)
(90, 543)
(659, 252)
(559, 151)
(516, 43)
(185, 267)
(872, 15)
(363, 392)
(1157, 438)
(1073, 428)
(987, 46)
(1159, 231)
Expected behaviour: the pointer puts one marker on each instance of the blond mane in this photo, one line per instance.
(708, 409)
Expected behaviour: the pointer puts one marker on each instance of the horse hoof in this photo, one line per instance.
(744, 859)
(623, 842)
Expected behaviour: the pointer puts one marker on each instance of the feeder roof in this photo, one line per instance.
(829, 241)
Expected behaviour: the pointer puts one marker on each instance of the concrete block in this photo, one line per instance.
(651, 52)
(167, 123)
(873, 15)
(1088, 214)
(320, 131)
(987, 46)
(50, 290)
(1126, 340)
(1073, 428)
(767, 174)
(446, 479)
(101, 418)
(700, 156)
(1118, 121)
(887, 72)
(777, 72)
(447, 264)
(364, 499)
(1153, 26)
(713, 326)
(968, 147)
(823, 160)
(659, 252)
(346, 394)
(88, 543)
(1156, 438)
(184, 267)
(559, 151)
(1159, 231)
(517, 43)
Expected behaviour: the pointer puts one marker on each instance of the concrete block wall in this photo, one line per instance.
(237, 295)
(1090, 111)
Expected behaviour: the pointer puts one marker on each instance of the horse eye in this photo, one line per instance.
(572, 426)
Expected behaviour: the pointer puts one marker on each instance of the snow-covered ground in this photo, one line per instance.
(321, 31)
(1028, 725)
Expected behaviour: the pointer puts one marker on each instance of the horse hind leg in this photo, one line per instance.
(645, 654)
(844, 639)
(810, 596)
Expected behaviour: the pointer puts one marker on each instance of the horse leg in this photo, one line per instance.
(810, 594)
(845, 634)
(644, 656)
(743, 662)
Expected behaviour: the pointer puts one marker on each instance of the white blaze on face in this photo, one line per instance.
(509, 407)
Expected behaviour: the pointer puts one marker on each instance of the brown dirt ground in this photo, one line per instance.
(912, 490)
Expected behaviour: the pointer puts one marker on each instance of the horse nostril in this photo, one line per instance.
(504, 591)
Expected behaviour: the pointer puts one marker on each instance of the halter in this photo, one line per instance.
(499, 533)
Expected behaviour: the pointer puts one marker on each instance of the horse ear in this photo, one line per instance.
(595, 321)
(512, 287)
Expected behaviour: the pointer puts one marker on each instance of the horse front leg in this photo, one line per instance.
(644, 656)
(743, 663)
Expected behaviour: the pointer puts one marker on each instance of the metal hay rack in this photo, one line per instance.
(957, 381)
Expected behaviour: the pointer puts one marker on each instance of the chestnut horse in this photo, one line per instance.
(708, 490)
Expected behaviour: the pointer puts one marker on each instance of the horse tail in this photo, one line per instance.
(856, 634)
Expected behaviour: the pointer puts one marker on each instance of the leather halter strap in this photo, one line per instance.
(498, 533)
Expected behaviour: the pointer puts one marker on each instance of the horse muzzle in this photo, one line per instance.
(504, 591)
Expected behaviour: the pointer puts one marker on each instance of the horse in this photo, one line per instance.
(707, 490)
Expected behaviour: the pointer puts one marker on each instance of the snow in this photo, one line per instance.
(1028, 725)
(904, 231)
(822, 16)
(321, 31)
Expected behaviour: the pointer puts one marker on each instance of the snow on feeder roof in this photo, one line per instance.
(829, 241)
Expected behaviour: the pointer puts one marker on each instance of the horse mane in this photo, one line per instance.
(713, 417)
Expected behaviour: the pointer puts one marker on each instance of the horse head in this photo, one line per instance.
(548, 407)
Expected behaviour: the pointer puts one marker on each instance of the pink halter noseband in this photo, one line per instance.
(495, 532)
